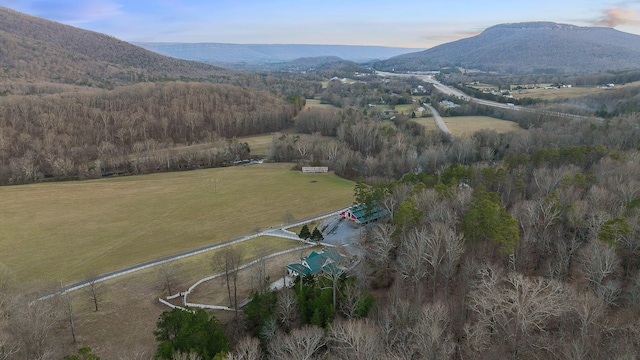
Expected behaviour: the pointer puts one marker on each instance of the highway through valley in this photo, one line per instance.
(461, 95)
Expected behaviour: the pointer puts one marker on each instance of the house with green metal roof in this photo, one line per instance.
(328, 260)
(360, 214)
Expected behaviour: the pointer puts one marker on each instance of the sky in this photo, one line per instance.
(406, 23)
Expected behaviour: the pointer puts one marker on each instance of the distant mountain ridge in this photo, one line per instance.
(534, 47)
(270, 53)
(36, 49)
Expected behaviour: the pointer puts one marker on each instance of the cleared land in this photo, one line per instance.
(259, 144)
(65, 231)
(129, 307)
(555, 93)
(466, 125)
(315, 103)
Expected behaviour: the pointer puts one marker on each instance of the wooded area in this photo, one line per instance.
(132, 130)
(522, 245)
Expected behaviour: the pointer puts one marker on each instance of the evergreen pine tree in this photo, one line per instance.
(304, 233)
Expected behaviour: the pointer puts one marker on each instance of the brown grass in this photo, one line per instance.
(258, 144)
(64, 231)
(553, 94)
(130, 308)
(466, 125)
(315, 103)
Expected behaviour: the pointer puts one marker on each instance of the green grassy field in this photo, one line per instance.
(65, 231)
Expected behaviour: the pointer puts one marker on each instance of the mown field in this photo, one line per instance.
(259, 144)
(466, 125)
(62, 232)
(129, 306)
(315, 103)
(553, 94)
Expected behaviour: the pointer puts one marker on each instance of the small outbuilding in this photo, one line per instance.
(361, 215)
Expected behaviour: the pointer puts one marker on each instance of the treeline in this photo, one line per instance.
(360, 95)
(87, 135)
(364, 147)
(525, 245)
(531, 259)
(503, 81)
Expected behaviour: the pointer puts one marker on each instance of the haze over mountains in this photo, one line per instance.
(35, 49)
(275, 53)
(537, 47)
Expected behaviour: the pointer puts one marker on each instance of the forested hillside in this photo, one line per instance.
(88, 135)
(525, 48)
(37, 50)
(522, 245)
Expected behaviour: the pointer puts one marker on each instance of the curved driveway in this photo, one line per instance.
(439, 120)
(279, 232)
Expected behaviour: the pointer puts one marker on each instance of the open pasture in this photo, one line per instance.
(315, 103)
(130, 308)
(555, 93)
(467, 125)
(428, 122)
(65, 231)
(258, 144)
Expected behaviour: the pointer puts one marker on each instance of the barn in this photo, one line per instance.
(361, 215)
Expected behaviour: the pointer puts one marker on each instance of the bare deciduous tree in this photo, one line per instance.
(247, 349)
(303, 343)
(379, 245)
(597, 262)
(411, 263)
(66, 301)
(168, 273)
(351, 295)
(259, 276)
(432, 337)
(287, 308)
(228, 261)
(453, 250)
(355, 339)
(31, 326)
(9, 345)
(95, 289)
(515, 306)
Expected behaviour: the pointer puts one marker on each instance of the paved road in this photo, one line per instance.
(455, 92)
(439, 120)
(280, 232)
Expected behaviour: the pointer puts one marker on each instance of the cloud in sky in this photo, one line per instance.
(613, 17)
(414, 23)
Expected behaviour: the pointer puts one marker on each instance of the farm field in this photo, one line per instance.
(428, 122)
(258, 144)
(66, 231)
(315, 103)
(553, 94)
(466, 125)
(130, 308)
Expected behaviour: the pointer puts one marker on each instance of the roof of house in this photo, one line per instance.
(328, 260)
(359, 213)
